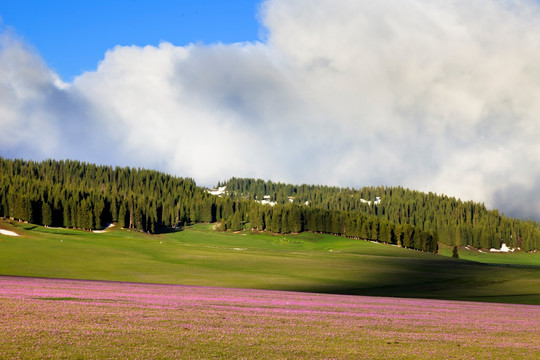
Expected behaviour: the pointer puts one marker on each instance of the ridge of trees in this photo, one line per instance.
(454, 221)
(75, 194)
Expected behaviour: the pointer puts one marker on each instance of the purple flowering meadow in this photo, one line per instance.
(45, 318)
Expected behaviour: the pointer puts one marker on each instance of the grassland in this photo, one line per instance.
(518, 258)
(305, 262)
(74, 319)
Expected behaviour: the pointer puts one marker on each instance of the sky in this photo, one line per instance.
(432, 95)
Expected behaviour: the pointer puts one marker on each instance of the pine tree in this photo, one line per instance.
(122, 215)
(236, 222)
(46, 214)
(114, 209)
(208, 211)
(276, 219)
(285, 222)
(385, 233)
(138, 219)
(295, 219)
(131, 212)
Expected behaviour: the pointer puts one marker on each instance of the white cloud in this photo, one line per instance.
(432, 95)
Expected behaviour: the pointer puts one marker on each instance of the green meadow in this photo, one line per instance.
(517, 258)
(306, 262)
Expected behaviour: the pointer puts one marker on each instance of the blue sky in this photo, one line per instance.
(72, 36)
(433, 95)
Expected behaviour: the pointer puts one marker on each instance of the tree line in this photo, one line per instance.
(75, 194)
(78, 195)
(456, 222)
(294, 218)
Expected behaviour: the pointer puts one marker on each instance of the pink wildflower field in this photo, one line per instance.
(45, 318)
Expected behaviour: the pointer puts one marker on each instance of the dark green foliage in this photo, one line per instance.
(295, 219)
(46, 214)
(276, 223)
(451, 220)
(122, 216)
(236, 222)
(208, 210)
(227, 209)
(86, 196)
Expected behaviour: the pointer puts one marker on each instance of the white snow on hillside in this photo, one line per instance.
(8, 233)
(503, 249)
(376, 202)
(104, 230)
(219, 191)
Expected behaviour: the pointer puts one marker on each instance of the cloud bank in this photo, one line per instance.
(437, 96)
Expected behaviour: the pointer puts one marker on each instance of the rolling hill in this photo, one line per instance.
(306, 262)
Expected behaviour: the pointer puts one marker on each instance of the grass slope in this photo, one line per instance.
(304, 262)
(511, 258)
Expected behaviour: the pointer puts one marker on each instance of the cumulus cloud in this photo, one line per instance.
(432, 95)
(40, 116)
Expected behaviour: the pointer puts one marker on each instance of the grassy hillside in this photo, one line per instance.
(304, 262)
(519, 258)
(72, 194)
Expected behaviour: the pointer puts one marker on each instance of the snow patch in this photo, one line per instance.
(8, 233)
(376, 202)
(503, 249)
(219, 191)
(103, 231)
(271, 203)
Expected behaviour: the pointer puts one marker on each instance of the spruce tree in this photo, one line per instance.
(285, 222)
(236, 222)
(46, 214)
(276, 219)
(122, 215)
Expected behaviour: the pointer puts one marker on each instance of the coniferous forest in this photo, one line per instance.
(455, 222)
(85, 196)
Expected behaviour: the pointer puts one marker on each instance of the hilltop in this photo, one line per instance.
(73, 194)
(455, 221)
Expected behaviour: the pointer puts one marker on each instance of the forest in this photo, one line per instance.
(454, 221)
(75, 194)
